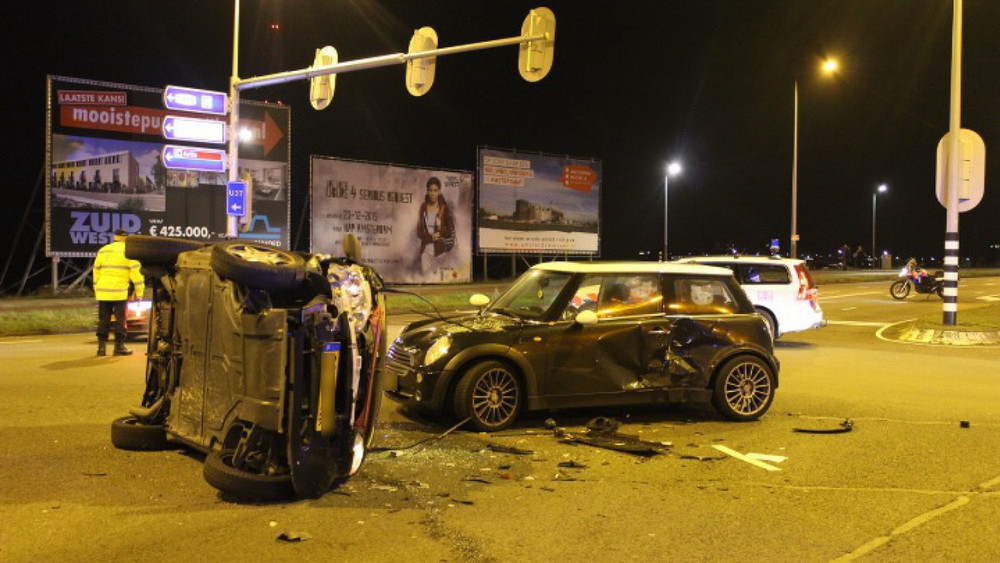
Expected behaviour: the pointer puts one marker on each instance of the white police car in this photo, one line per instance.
(781, 289)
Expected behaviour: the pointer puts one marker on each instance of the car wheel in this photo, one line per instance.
(489, 395)
(130, 433)
(220, 473)
(258, 265)
(899, 289)
(744, 389)
(157, 250)
(772, 324)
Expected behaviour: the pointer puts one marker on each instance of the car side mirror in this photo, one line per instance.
(479, 300)
(586, 318)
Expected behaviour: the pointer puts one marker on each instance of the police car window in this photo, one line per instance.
(775, 273)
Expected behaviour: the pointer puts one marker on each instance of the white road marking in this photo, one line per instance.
(824, 297)
(742, 457)
(848, 308)
(857, 323)
(20, 341)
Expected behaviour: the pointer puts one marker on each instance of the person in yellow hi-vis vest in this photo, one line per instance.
(113, 274)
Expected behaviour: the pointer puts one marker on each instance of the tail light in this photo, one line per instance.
(807, 287)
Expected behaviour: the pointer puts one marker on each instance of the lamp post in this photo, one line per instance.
(881, 188)
(672, 169)
(232, 222)
(829, 66)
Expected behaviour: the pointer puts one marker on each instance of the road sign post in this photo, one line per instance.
(179, 98)
(194, 158)
(176, 128)
(236, 199)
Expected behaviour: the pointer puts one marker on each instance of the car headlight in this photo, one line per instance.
(352, 292)
(437, 350)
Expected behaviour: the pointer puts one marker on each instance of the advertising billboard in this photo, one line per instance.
(118, 158)
(537, 203)
(414, 224)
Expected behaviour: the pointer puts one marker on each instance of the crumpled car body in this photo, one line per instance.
(591, 334)
(268, 361)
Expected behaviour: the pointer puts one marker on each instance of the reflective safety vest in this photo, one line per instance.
(113, 272)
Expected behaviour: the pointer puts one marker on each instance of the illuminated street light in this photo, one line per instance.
(829, 66)
(881, 188)
(673, 169)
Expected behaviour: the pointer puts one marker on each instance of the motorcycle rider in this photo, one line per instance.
(915, 272)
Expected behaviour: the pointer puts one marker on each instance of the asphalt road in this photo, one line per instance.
(909, 483)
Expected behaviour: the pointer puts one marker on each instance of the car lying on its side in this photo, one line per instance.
(266, 360)
(586, 334)
(781, 289)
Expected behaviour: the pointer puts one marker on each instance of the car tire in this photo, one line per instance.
(490, 395)
(220, 473)
(744, 389)
(769, 320)
(899, 289)
(161, 251)
(130, 433)
(258, 265)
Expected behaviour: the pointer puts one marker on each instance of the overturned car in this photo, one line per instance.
(266, 360)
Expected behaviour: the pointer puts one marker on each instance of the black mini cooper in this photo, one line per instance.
(587, 334)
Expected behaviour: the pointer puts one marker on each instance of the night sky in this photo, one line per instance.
(634, 84)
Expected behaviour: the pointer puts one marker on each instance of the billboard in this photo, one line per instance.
(537, 203)
(110, 165)
(415, 224)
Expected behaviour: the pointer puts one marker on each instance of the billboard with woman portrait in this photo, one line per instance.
(414, 224)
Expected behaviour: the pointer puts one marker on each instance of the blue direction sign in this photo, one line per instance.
(177, 128)
(192, 99)
(194, 158)
(236, 199)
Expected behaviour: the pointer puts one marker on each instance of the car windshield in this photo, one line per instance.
(532, 294)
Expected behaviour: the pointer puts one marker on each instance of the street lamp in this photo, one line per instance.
(672, 169)
(881, 188)
(829, 66)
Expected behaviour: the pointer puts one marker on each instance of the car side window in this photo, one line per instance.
(701, 296)
(630, 295)
(770, 274)
(585, 298)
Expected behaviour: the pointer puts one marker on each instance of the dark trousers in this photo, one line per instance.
(104, 311)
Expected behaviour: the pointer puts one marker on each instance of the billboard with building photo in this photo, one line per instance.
(537, 203)
(414, 224)
(105, 157)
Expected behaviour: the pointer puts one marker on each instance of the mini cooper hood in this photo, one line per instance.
(455, 326)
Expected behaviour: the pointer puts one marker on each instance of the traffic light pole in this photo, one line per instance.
(538, 34)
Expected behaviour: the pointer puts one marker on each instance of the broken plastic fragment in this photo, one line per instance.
(295, 536)
(846, 426)
(508, 449)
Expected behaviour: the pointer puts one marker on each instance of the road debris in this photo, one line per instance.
(294, 537)
(602, 433)
(500, 449)
(964, 424)
(846, 426)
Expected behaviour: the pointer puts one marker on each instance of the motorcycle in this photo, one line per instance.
(918, 281)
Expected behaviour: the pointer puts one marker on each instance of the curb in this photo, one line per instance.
(907, 333)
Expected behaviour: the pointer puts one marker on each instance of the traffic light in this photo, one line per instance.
(321, 87)
(420, 72)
